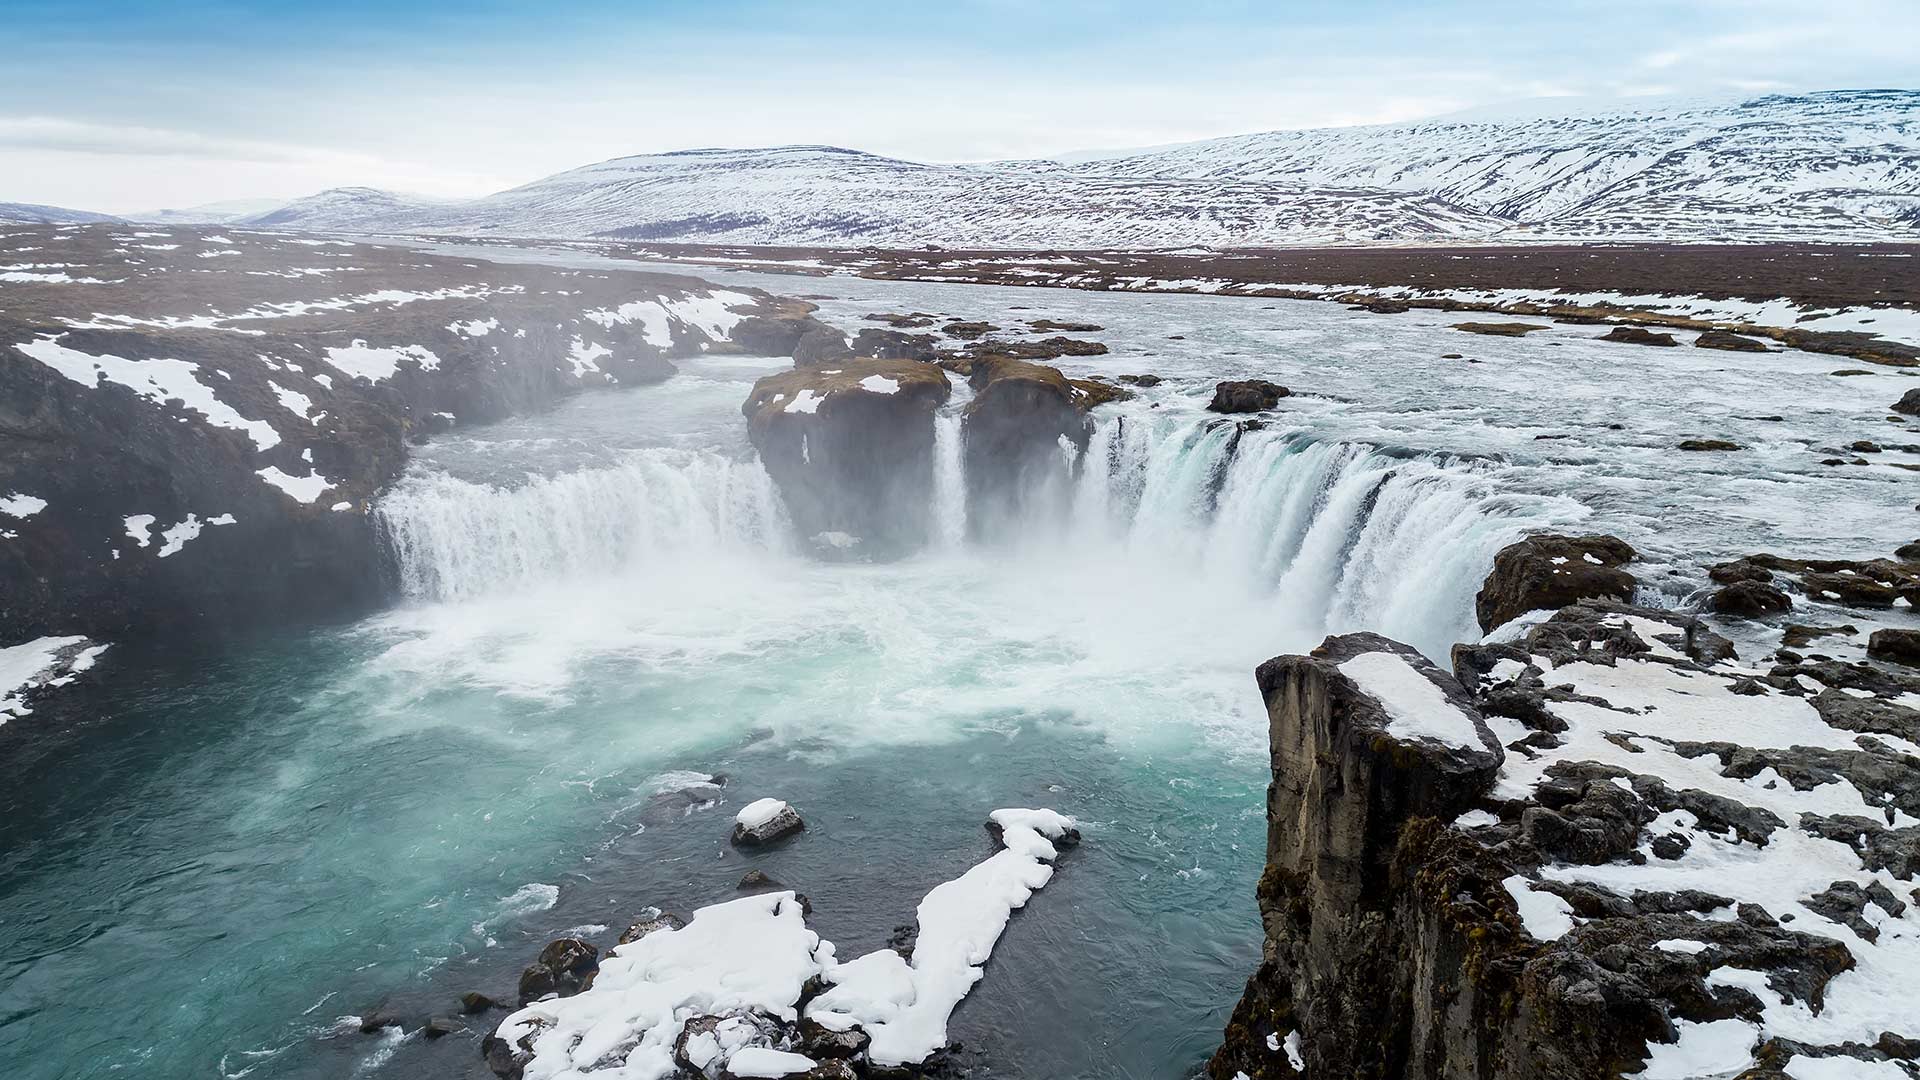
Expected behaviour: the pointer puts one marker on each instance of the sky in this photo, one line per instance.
(127, 107)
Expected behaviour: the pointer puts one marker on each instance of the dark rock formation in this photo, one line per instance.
(1909, 403)
(851, 447)
(1548, 572)
(1863, 583)
(1047, 326)
(1422, 923)
(1895, 645)
(1707, 444)
(895, 345)
(1721, 339)
(1023, 423)
(565, 967)
(1638, 335)
(1502, 329)
(821, 345)
(1250, 395)
(1748, 600)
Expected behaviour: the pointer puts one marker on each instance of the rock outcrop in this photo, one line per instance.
(1729, 342)
(1859, 583)
(1638, 335)
(1548, 572)
(1655, 873)
(1023, 433)
(1909, 403)
(200, 440)
(851, 446)
(1246, 396)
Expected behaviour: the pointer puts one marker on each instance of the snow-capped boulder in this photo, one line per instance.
(764, 821)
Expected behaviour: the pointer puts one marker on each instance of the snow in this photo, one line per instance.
(759, 812)
(904, 1005)
(806, 401)
(751, 953)
(1680, 945)
(1476, 819)
(21, 506)
(177, 537)
(138, 527)
(475, 328)
(376, 364)
(305, 489)
(1545, 915)
(1415, 707)
(293, 401)
(584, 356)
(880, 384)
(1716, 1048)
(759, 1061)
(156, 380)
(1802, 1067)
(652, 317)
(36, 665)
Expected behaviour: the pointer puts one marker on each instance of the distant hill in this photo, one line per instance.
(35, 214)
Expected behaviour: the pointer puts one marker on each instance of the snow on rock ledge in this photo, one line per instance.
(1669, 864)
(31, 669)
(725, 994)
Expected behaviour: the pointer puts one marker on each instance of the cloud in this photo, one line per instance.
(79, 136)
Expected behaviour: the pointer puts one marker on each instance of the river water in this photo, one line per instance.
(232, 853)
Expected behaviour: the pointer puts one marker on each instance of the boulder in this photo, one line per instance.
(895, 345)
(565, 967)
(1799, 636)
(1909, 403)
(1503, 329)
(764, 821)
(1245, 396)
(850, 445)
(1895, 645)
(820, 345)
(1045, 326)
(1748, 600)
(1707, 444)
(1721, 339)
(1638, 335)
(706, 1044)
(652, 924)
(476, 1002)
(440, 1027)
(1548, 572)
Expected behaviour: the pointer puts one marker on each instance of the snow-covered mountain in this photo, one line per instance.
(35, 214)
(1838, 165)
(1841, 163)
(349, 208)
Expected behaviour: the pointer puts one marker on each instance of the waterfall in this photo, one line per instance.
(454, 540)
(1338, 536)
(949, 483)
(1341, 536)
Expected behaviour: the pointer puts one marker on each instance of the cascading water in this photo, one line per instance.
(456, 540)
(1343, 536)
(1339, 536)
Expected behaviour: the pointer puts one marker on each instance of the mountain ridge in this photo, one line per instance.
(1825, 166)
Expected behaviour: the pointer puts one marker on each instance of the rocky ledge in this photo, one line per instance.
(194, 424)
(1600, 846)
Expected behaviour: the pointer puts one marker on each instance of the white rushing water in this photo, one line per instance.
(1332, 536)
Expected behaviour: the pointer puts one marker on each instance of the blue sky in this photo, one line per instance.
(131, 106)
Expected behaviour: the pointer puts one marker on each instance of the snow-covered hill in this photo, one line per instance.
(1834, 164)
(1839, 165)
(35, 214)
(342, 208)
